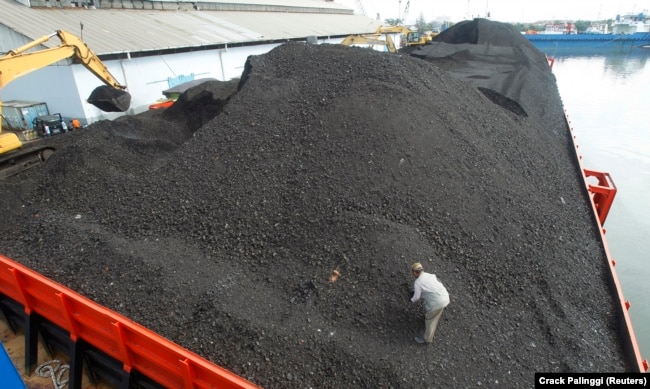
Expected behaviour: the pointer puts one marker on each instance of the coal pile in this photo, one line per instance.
(498, 60)
(221, 234)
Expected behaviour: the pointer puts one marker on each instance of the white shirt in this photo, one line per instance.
(432, 291)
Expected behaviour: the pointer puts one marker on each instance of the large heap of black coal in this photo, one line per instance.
(222, 236)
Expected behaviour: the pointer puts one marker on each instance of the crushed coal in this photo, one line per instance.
(218, 222)
(502, 101)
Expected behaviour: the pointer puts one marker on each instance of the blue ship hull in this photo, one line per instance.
(588, 43)
(638, 39)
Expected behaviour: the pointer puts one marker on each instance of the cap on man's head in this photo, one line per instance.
(417, 266)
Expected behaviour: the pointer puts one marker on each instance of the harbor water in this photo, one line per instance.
(606, 94)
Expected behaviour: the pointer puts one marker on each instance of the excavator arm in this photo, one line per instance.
(413, 38)
(370, 40)
(19, 62)
(392, 30)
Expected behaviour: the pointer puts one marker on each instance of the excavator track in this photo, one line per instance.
(24, 159)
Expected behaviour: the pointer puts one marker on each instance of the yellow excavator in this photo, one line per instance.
(111, 97)
(370, 40)
(410, 38)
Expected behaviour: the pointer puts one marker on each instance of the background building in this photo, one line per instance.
(151, 46)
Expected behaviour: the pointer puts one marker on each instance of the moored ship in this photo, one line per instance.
(628, 30)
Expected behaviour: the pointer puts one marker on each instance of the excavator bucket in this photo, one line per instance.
(109, 99)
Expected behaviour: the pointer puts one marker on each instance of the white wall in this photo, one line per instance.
(147, 77)
(51, 85)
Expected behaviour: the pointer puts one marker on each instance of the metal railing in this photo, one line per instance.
(43, 306)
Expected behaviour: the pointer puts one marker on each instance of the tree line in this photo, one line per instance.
(423, 26)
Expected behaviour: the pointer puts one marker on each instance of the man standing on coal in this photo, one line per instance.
(435, 296)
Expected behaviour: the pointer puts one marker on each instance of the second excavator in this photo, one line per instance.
(409, 38)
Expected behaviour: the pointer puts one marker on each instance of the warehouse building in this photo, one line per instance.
(151, 46)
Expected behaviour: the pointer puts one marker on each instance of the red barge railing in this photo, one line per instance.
(86, 329)
(602, 193)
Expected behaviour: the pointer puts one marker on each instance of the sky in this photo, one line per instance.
(500, 10)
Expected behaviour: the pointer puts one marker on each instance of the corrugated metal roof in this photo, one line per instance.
(110, 31)
(20, 103)
(284, 3)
